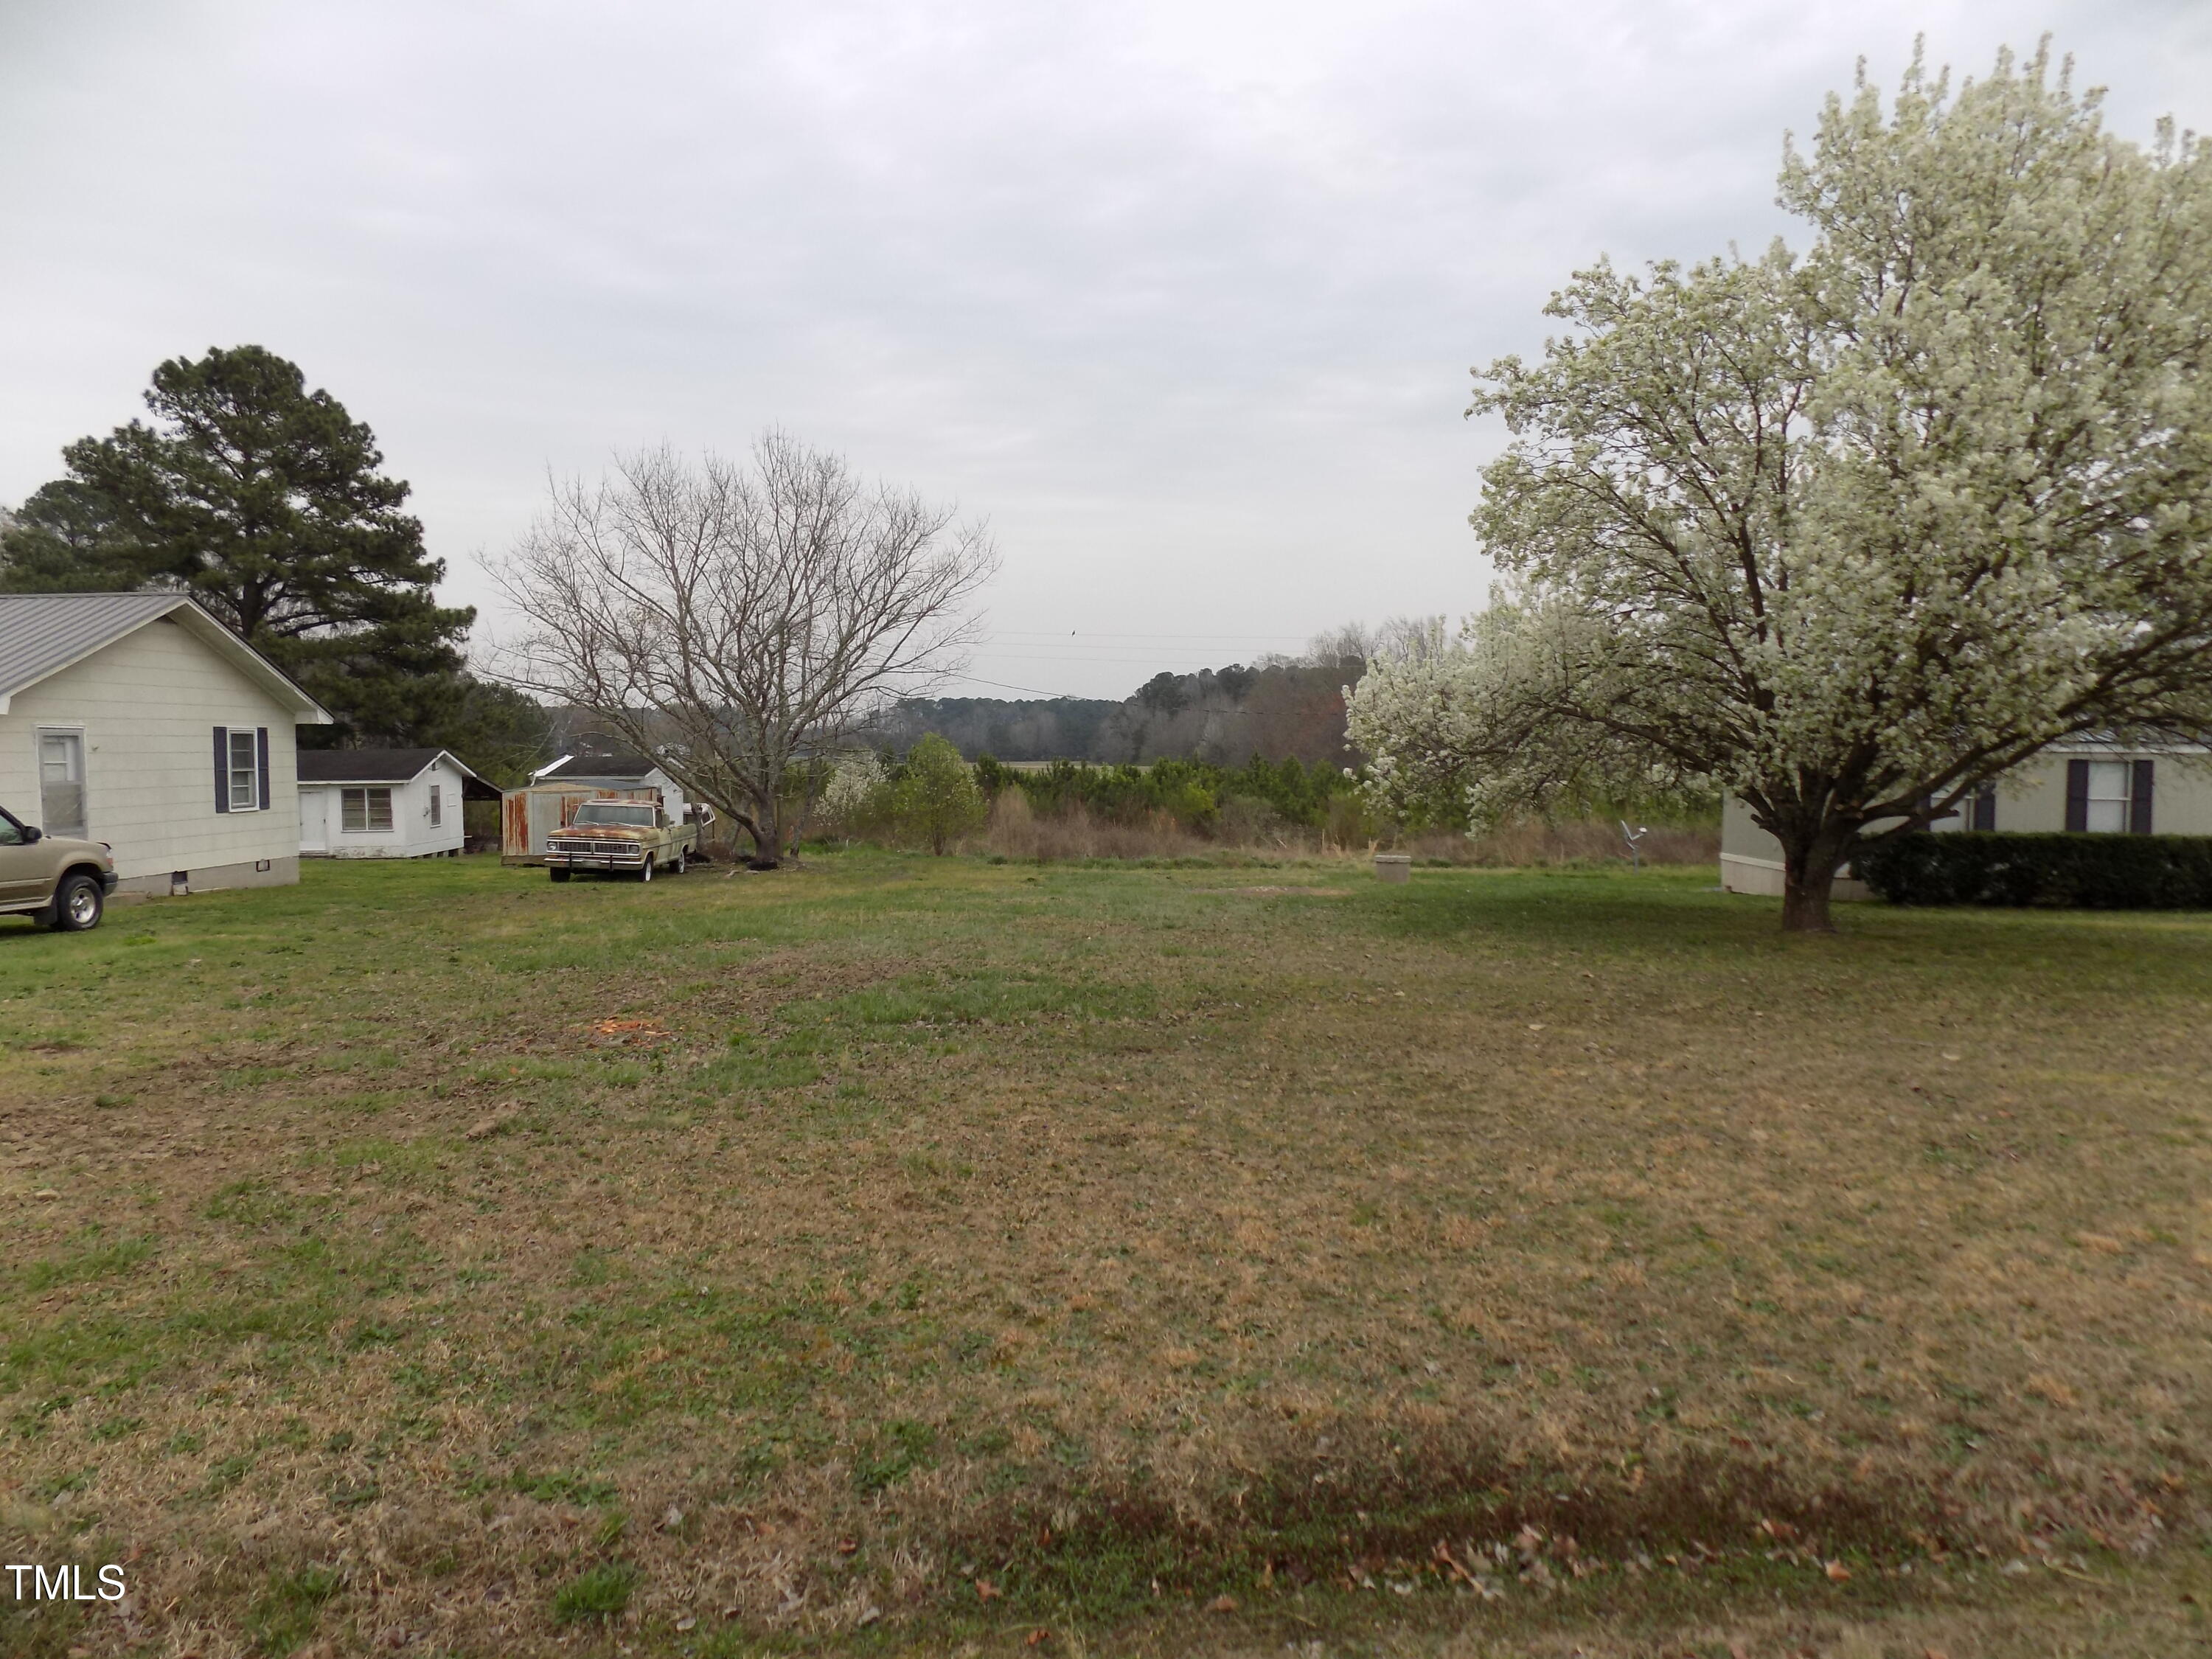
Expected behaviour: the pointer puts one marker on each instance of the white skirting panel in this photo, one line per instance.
(1740, 874)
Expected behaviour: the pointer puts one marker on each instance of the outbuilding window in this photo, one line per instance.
(437, 807)
(365, 812)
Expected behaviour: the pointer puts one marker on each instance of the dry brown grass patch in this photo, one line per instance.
(1072, 1231)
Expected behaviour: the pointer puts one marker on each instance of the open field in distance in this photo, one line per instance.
(901, 1252)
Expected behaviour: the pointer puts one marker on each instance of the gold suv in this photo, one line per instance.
(59, 881)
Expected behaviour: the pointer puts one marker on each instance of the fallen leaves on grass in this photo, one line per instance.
(628, 1030)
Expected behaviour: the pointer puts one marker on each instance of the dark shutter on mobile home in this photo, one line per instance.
(261, 765)
(222, 768)
(2077, 796)
(1984, 814)
(2139, 791)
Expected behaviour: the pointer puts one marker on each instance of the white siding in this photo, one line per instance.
(2032, 800)
(2034, 797)
(148, 704)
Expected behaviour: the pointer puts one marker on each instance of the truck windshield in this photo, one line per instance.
(607, 811)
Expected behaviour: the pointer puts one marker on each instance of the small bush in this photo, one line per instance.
(935, 801)
(2090, 873)
(599, 1593)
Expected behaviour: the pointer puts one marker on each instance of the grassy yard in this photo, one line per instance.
(923, 1254)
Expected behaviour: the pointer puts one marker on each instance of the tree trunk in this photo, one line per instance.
(1809, 876)
(768, 837)
(767, 834)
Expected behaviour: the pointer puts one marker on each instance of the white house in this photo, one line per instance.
(382, 803)
(140, 720)
(2088, 787)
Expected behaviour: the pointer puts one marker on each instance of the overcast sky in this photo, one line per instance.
(1183, 297)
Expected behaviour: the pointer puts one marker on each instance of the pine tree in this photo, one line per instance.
(265, 503)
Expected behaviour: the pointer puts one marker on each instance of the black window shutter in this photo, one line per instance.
(261, 762)
(222, 768)
(1986, 810)
(2078, 796)
(2139, 798)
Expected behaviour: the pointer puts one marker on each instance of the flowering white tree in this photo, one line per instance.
(1850, 536)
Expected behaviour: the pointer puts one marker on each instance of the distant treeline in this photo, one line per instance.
(1195, 793)
(1224, 717)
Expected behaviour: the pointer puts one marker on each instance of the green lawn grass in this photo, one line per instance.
(934, 1253)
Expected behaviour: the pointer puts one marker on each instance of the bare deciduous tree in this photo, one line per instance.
(732, 619)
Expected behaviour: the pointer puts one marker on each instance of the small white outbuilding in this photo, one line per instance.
(382, 803)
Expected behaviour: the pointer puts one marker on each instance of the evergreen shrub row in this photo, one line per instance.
(2095, 873)
(1193, 793)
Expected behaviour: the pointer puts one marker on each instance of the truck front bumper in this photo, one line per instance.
(628, 858)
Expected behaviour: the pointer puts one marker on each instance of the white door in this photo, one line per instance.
(61, 784)
(315, 820)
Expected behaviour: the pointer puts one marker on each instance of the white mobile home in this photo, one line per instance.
(382, 803)
(2088, 788)
(140, 720)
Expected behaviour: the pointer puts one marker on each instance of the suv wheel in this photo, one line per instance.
(77, 904)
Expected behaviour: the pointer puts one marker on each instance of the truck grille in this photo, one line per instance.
(596, 849)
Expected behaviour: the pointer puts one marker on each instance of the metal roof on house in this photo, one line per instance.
(42, 634)
(372, 765)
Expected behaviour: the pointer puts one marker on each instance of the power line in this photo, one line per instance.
(1080, 634)
(971, 679)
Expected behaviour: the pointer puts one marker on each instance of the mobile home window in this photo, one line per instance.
(244, 771)
(364, 812)
(2109, 794)
(437, 808)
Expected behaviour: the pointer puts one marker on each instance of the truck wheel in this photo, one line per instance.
(558, 875)
(645, 872)
(682, 859)
(77, 904)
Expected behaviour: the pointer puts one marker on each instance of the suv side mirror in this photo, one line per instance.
(31, 833)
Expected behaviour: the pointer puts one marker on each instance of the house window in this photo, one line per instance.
(244, 771)
(1982, 809)
(364, 812)
(437, 808)
(2108, 798)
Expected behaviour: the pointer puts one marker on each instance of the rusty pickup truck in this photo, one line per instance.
(622, 838)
